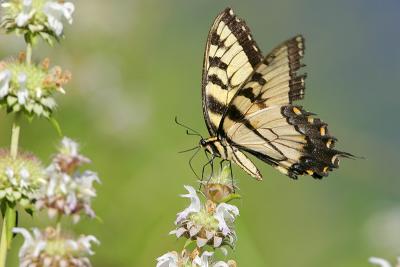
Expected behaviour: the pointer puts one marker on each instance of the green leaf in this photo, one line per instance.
(30, 117)
(11, 100)
(3, 207)
(38, 109)
(56, 125)
(16, 108)
(29, 107)
(99, 219)
(188, 243)
(29, 211)
(231, 197)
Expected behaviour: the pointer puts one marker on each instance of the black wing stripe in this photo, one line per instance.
(248, 93)
(215, 106)
(216, 62)
(242, 33)
(217, 81)
(216, 40)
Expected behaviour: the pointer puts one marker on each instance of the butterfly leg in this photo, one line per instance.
(212, 168)
(209, 162)
(232, 180)
(221, 163)
(204, 166)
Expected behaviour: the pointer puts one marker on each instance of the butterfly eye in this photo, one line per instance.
(202, 142)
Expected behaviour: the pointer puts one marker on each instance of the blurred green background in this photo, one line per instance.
(136, 64)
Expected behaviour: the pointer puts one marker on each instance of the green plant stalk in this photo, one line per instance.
(3, 244)
(5, 241)
(28, 53)
(14, 139)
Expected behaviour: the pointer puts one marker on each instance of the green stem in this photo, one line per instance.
(3, 244)
(5, 241)
(6, 232)
(14, 140)
(28, 53)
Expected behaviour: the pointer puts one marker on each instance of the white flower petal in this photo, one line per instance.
(22, 96)
(23, 92)
(68, 10)
(217, 241)
(27, 236)
(193, 207)
(9, 173)
(25, 15)
(220, 264)
(169, 259)
(24, 173)
(38, 92)
(57, 12)
(5, 77)
(204, 259)
(39, 247)
(225, 214)
(379, 261)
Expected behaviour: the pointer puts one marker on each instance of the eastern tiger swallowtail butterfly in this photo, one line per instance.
(247, 104)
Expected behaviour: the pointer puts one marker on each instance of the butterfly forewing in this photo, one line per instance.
(231, 56)
(273, 82)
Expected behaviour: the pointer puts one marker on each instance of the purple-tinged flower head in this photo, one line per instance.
(68, 191)
(53, 248)
(194, 259)
(29, 88)
(37, 18)
(206, 223)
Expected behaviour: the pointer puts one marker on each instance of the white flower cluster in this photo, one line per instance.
(206, 224)
(382, 262)
(20, 178)
(67, 191)
(173, 259)
(51, 248)
(45, 18)
(29, 88)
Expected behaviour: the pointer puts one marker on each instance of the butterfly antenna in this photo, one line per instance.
(194, 132)
(188, 150)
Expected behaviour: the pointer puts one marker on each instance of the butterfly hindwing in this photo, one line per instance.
(261, 119)
(288, 138)
(231, 56)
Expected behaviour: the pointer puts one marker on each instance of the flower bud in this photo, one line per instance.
(219, 187)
